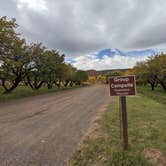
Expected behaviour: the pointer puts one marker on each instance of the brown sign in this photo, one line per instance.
(122, 86)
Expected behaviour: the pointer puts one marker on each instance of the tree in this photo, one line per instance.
(35, 76)
(14, 56)
(80, 76)
(33, 64)
(152, 71)
(7, 35)
(52, 68)
(101, 78)
(68, 74)
(113, 74)
(157, 69)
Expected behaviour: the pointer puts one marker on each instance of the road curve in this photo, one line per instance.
(45, 130)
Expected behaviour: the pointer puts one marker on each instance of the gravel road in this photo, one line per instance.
(45, 130)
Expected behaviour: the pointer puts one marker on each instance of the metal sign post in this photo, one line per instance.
(123, 86)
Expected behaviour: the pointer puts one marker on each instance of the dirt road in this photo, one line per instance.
(45, 130)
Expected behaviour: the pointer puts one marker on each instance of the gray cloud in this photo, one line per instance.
(80, 27)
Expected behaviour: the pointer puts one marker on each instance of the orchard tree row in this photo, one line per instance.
(151, 71)
(32, 64)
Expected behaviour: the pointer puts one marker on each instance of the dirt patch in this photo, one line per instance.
(155, 155)
(94, 124)
(45, 130)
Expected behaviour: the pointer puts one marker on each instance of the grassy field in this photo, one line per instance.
(158, 94)
(147, 134)
(25, 91)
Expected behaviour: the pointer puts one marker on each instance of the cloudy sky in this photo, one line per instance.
(82, 29)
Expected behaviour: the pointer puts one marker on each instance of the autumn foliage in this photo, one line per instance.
(32, 64)
(152, 71)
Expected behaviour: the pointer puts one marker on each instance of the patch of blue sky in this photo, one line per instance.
(70, 60)
(134, 53)
(109, 52)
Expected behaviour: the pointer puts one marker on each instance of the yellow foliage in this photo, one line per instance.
(92, 79)
(128, 72)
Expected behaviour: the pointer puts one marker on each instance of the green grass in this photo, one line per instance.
(146, 128)
(158, 94)
(25, 91)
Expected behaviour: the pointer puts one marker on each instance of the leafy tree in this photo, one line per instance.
(92, 79)
(80, 76)
(35, 76)
(128, 72)
(113, 74)
(33, 64)
(7, 35)
(68, 74)
(52, 68)
(14, 56)
(144, 75)
(157, 69)
(152, 71)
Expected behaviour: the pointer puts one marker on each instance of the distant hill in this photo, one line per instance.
(102, 72)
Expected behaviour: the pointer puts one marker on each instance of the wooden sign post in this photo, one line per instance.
(124, 122)
(123, 86)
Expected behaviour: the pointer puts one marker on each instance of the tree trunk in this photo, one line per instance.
(71, 84)
(39, 84)
(49, 85)
(10, 89)
(36, 84)
(163, 86)
(66, 83)
(152, 86)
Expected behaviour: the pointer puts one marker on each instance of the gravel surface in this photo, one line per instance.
(45, 130)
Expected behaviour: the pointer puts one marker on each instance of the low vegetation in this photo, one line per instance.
(26, 91)
(147, 136)
(158, 95)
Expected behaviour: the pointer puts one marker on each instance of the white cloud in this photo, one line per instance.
(35, 5)
(84, 26)
(88, 62)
